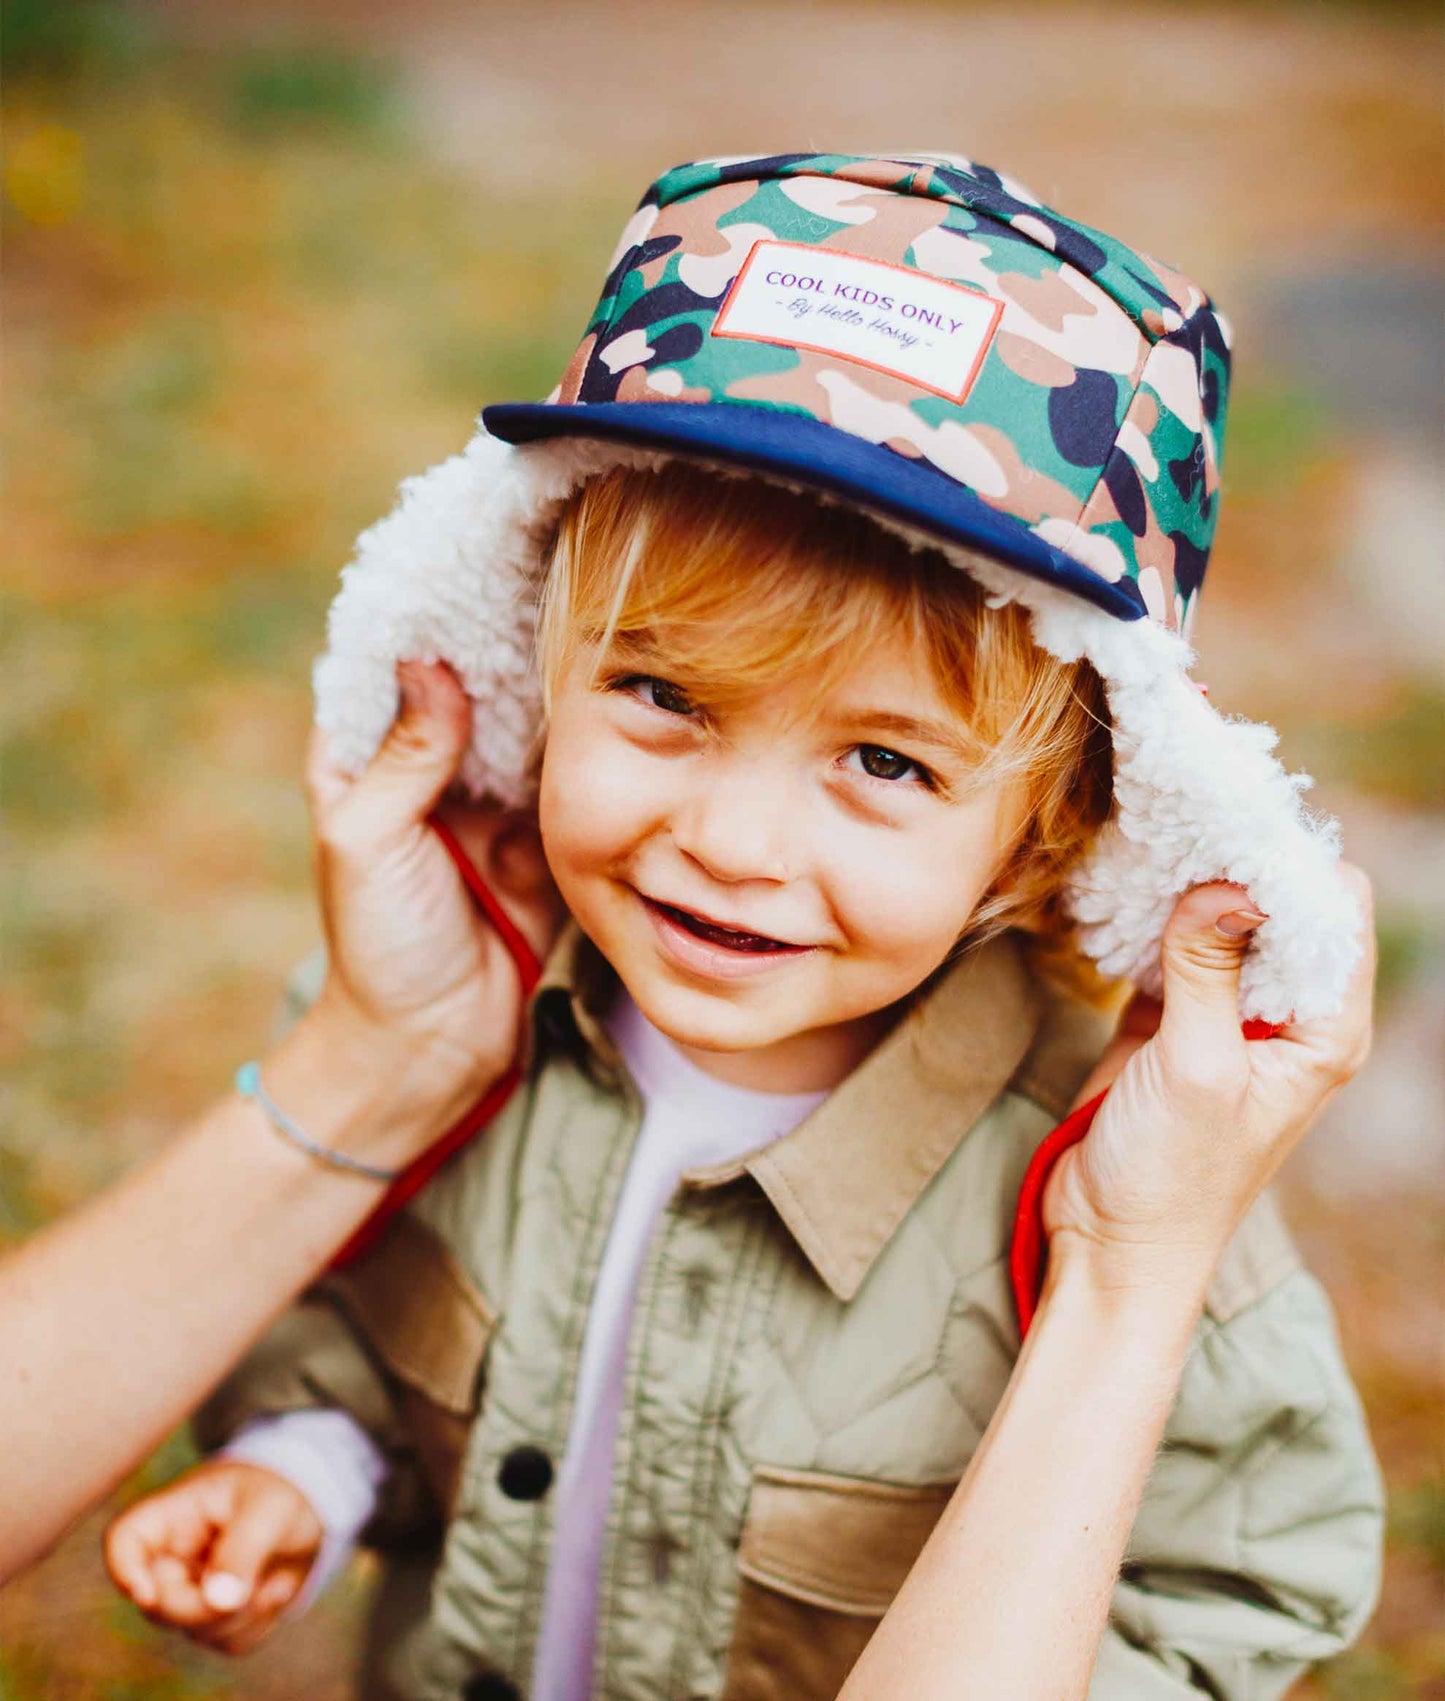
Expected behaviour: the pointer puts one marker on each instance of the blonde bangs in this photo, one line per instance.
(742, 585)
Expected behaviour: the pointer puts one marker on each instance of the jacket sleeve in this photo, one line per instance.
(1257, 1549)
(314, 1359)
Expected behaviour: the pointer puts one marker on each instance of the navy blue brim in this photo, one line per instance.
(772, 440)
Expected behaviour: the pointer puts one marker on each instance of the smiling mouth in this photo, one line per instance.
(731, 939)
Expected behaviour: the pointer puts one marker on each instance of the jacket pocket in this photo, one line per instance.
(821, 1558)
(429, 1325)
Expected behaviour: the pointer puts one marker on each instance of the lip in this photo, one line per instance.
(718, 921)
(714, 962)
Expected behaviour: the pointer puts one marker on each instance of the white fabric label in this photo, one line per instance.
(905, 323)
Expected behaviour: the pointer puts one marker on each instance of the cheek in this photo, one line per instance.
(908, 895)
(595, 802)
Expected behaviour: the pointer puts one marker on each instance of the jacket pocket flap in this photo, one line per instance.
(420, 1312)
(841, 1542)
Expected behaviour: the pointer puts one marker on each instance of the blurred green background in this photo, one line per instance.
(260, 263)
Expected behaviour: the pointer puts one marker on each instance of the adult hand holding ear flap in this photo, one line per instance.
(408, 950)
(1199, 1119)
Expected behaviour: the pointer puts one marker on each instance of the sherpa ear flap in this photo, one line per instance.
(1200, 797)
(451, 574)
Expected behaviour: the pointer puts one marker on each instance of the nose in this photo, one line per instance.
(739, 822)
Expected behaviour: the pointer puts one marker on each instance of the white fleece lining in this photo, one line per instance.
(452, 572)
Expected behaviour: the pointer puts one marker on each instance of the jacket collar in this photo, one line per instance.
(846, 1177)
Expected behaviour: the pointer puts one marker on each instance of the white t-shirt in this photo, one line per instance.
(690, 1121)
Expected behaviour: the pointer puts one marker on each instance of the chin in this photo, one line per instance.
(707, 1021)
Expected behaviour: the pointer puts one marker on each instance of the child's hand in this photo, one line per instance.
(1200, 1119)
(220, 1554)
(408, 948)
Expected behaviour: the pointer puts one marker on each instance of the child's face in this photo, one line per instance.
(843, 848)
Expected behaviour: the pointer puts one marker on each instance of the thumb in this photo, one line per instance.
(423, 750)
(1201, 954)
(243, 1549)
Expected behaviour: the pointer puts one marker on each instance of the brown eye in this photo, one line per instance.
(658, 692)
(881, 764)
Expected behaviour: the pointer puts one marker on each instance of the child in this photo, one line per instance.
(658, 1388)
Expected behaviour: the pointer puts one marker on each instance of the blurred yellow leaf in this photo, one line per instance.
(45, 174)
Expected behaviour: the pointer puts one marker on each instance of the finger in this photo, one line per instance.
(1201, 955)
(175, 1522)
(243, 1638)
(279, 1589)
(327, 782)
(127, 1551)
(179, 1600)
(233, 1643)
(239, 1632)
(424, 748)
(248, 1543)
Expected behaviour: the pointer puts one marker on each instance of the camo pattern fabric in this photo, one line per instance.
(1095, 413)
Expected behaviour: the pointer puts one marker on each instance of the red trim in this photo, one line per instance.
(420, 1171)
(1029, 1250)
(1030, 1245)
(1254, 1029)
(958, 396)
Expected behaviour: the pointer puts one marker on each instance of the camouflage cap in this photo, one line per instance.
(921, 336)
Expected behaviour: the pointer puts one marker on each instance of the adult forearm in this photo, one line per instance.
(1011, 1594)
(118, 1319)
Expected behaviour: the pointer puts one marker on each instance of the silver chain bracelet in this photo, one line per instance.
(248, 1084)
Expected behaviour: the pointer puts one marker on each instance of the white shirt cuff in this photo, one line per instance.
(331, 1459)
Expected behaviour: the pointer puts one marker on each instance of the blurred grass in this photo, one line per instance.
(240, 305)
(1417, 1520)
(1394, 750)
(1276, 433)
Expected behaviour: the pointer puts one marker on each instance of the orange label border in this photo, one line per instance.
(718, 329)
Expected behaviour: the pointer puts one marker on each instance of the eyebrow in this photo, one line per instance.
(938, 734)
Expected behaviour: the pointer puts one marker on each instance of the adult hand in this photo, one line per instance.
(411, 959)
(1200, 1119)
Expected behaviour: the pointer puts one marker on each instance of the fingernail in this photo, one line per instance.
(1235, 924)
(223, 1591)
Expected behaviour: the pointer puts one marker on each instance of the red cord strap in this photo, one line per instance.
(1029, 1250)
(420, 1171)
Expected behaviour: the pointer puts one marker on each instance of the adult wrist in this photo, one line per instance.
(1136, 1282)
(374, 1092)
(1137, 1333)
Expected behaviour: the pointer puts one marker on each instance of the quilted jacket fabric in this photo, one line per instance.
(822, 1332)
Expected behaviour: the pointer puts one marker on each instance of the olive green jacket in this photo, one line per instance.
(822, 1332)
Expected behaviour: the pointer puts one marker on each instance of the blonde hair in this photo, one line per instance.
(747, 584)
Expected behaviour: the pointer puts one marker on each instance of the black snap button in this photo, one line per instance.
(488, 1686)
(555, 1018)
(526, 1474)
